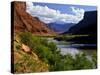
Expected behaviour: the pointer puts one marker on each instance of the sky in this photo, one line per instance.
(58, 13)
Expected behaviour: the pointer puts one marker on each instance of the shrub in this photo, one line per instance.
(30, 40)
(49, 53)
(43, 41)
(26, 38)
(94, 59)
(82, 62)
(43, 52)
(69, 63)
(52, 46)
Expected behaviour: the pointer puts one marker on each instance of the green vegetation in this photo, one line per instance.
(67, 62)
(49, 54)
(38, 45)
(94, 58)
(70, 36)
(82, 62)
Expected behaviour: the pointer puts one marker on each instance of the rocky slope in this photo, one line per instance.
(23, 21)
(24, 60)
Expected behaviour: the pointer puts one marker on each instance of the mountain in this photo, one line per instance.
(86, 26)
(60, 28)
(23, 22)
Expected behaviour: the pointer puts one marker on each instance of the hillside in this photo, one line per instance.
(23, 22)
(34, 47)
(86, 26)
(24, 59)
(60, 28)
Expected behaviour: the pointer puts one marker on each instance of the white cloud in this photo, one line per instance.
(49, 15)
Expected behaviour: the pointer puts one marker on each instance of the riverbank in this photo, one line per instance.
(48, 52)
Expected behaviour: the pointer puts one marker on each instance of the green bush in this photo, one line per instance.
(39, 45)
(26, 38)
(82, 62)
(52, 46)
(49, 53)
(69, 63)
(94, 59)
(43, 52)
(30, 40)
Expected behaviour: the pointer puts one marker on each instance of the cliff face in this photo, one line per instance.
(23, 21)
(87, 26)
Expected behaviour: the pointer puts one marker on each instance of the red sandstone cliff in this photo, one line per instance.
(23, 21)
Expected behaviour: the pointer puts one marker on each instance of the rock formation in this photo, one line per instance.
(24, 22)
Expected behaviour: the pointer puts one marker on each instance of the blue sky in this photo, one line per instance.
(58, 13)
(66, 7)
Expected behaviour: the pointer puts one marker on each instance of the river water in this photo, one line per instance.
(73, 48)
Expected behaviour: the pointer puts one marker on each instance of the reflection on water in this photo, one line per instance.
(72, 51)
(73, 48)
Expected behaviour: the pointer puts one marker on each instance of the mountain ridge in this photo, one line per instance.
(87, 25)
(60, 28)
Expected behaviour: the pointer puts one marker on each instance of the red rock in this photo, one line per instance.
(23, 21)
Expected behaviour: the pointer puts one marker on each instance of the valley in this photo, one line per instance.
(37, 46)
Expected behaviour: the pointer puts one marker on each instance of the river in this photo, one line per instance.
(73, 48)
